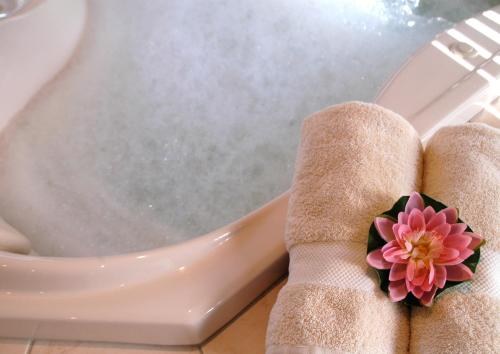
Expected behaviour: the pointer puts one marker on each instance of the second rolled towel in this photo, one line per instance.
(462, 169)
(354, 161)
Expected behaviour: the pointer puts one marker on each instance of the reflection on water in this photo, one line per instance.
(177, 117)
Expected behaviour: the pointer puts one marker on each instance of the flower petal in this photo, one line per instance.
(389, 245)
(416, 220)
(420, 273)
(426, 286)
(443, 229)
(457, 241)
(376, 260)
(466, 253)
(476, 240)
(439, 275)
(458, 228)
(447, 254)
(400, 231)
(432, 272)
(463, 255)
(451, 215)
(428, 297)
(435, 249)
(435, 221)
(398, 272)
(384, 228)
(458, 272)
(410, 270)
(396, 255)
(409, 285)
(402, 218)
(415, 202)
(428, 212)
(397, 290)
(418, 292)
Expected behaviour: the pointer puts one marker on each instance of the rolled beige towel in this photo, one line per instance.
(462, 169)
(355, 160)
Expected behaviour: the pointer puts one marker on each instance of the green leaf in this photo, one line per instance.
(397, 207)
(411, 300)
(374, 239)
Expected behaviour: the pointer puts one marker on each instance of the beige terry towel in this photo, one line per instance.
(355, 160)
(462, 169)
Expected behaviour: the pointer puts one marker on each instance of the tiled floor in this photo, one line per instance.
(14, 346)
(50, 347)
(244, 335)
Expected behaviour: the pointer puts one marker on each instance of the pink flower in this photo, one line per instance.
(424, 249)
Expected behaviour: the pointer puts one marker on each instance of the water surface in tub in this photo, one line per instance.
(177, 117)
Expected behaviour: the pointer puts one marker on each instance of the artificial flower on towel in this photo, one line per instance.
(419, 248)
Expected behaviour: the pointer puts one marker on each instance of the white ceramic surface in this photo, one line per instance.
(439, 86)
(50, 29)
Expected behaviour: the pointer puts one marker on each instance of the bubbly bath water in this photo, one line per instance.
(176, 117)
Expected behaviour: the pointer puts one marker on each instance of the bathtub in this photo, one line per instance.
(182, 294)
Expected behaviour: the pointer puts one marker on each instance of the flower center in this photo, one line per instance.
(420, 250)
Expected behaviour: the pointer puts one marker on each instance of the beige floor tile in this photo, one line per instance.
(247, 334)
(14, 346)
(56, 347)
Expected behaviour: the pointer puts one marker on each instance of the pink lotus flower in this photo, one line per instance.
(424, 249)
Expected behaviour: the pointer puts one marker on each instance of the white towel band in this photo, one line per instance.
(341, 264)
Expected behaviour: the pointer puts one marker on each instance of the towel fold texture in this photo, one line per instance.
(462, 169)
(347, 172)
(354, 160)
